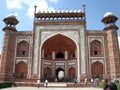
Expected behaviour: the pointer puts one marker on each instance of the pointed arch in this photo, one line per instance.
(95, 48)
(23, 49)
(47, 72)
(59, 44)
(71, 72)
(97, 67)
(21, 69)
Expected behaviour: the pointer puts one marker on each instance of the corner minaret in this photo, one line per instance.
(109, 20)
(10, 23)
(112, 51)
(8, 47)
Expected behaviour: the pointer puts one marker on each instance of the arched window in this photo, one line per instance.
(22, 49)
(95, 48)
(59, 55)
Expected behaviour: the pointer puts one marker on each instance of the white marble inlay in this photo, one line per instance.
(19, 39)
(82, 48)
(60, 63)
(21, 59)
(47, 63)
(71, 63)
(98, 38)
(35, 61)
(100, 60)
(70, 34)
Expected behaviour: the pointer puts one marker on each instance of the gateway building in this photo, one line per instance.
(60, 44)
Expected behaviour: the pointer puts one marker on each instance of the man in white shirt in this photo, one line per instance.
(38, 83)
(46, 83)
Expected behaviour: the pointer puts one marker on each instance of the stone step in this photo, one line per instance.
(57, 84)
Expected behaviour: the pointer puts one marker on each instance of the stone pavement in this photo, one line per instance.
(50, 88)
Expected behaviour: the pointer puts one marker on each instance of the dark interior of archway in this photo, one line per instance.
(57, 71)
(59, 43)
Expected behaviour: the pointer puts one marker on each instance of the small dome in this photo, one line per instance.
(39, 11)
(66, 11)
(74, 11)
(108, 14)
(79, 11)
(11, 16)
(62, 11)
(11, 19)
(71, 11)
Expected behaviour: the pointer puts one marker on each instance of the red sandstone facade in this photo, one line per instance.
(59, 41)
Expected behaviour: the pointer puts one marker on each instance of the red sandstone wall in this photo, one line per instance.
(8, 54)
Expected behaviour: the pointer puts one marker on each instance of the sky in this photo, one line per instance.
(24, 12)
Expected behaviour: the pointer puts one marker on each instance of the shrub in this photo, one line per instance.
(5, 84)
(100, 84)
(118, 86)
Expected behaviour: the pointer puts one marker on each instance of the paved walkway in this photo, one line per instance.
(50, 88)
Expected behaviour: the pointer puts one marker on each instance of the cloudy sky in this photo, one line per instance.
(23, 9)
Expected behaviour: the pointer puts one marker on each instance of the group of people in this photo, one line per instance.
(110, 86)
(38, 83)
(106, 85)
(94, 82)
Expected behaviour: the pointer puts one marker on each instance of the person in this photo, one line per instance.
(92, 81)
(13, 83)
(112, 86)
(105, 84)
(86, 81)
(75, 80)
(95, 83)
(56, 80)
(46, 83)
(38, 83)
(78, 80)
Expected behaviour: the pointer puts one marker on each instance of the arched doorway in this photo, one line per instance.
(47, 73)
(59, 73)
(71, 73)
(21, 70)
(57, 51)
(97, 68)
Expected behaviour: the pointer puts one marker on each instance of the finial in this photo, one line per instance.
(84, 7)
(35, 9)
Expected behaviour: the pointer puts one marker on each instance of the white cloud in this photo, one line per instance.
(41, 5)
(11, 4)
(21, 4)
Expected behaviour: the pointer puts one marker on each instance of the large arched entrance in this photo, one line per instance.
(58, 51)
